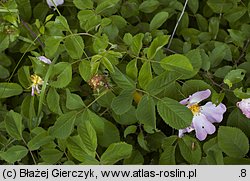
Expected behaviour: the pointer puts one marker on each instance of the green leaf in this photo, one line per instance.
(234, 76)
(201, 22)
(236, 161)
(14, 153)
(116, 152)
(28, 112)
(190, 149)
(217, 55)
(122, 80)
(24, 9)
(135, 158)
(149, 6)
(9, 90)
(85, 70)
(238, 37)
(107, 133)
(192, 86)
(62, 21)
(235, 14)
(74, 46)
(238, 120)
(4, 42)
(63, 125)
(86, 4)
(24, 76)
(53, 101)
(129, 9)
(223, 71)
(105, 6)
(51, 156)
(160, 82)
(136, 44)
(63, 73)
(238, 92)
(127, 118)
(145, 112)
(73, 101)
(130, 130)
(39, 140)
(233, 142)
(100, 43)
(156, 45)
(220, 6)
(14, 125)
(215, 158)
(174, 114)
(105, 61)
(142, 142)
(194, 57)
(177, 62)
(158, 20)
(131, 69)
(88, 136)
(213, 26)
(88, 19)
(193, 5)
(145, 75)
(169, 141)
(78, 149)
(4, 73)
(128, 39)
(51, 45)
(167, 157)
(123, 102)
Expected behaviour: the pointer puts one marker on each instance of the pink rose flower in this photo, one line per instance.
(244, 106)
(204, 116)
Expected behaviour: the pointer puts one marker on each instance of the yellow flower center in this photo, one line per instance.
(195, 108)
(36, 80)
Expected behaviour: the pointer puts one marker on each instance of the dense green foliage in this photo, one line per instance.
(119, 69)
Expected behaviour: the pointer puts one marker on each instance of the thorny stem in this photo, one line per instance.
(176, 26)
(33, 34)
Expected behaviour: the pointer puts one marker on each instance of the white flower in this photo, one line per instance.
(36, 81)
(57, 3)
(244, 106)
(44, 59)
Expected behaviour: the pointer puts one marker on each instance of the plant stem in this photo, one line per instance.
(176, 26)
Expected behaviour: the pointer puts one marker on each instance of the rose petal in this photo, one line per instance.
(44, 59)
(244, 106)
(202, 127)
(185, 101)
(32, 90)
(196, 97)
(213, 113)
(186, 130)
(57, 2)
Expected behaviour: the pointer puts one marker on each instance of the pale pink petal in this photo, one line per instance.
(57, 2)
(213, 113)
(202, 126)
(32, 90)
(185, 101)
(196, 97)
(44, 59)
(244, 106)
(199, 96)
(186, 130)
